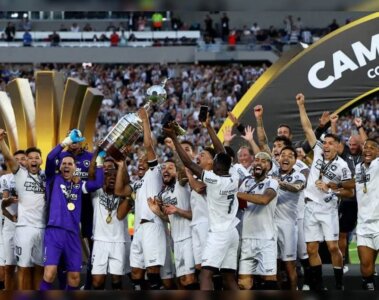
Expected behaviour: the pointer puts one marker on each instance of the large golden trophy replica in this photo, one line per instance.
(58, 107)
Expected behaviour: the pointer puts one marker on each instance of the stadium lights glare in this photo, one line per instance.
(14, 15)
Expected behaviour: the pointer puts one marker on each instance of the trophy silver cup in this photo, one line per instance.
(129, 128)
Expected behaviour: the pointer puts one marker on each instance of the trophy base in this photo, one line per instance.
(113, 151)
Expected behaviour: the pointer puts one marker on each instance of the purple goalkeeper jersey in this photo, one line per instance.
(59, 192)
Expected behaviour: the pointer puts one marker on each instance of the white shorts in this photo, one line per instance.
(320, 222)
(199, 239)
(184, 260)
(287, 240)
(9, 231)
(301, 244)
(221, 250)
(148, 246)
(29, 246)
(168, 269)
(371, 241)
(108, 257)
(258, 257)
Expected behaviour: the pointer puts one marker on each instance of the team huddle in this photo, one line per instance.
(208, 220)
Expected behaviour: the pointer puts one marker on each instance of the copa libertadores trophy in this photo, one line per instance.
(129, 128)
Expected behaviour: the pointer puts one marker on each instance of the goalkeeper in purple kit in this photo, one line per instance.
(64, 200)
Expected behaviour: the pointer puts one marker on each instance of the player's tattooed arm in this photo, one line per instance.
(344, 189)
(264, 199)
(122, 186)
(188, 163)
(9, 159)
(292, 187)
(262, 137)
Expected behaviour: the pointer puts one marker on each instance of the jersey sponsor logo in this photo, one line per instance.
(137, 185)
(108, 202)
(327, 173)
(34, 187)
(210, 180)
(78, 172)
(228, 192)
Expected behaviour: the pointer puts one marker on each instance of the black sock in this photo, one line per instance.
(192, 286)
(368, 283)
(257, 283)
(137, 284)
(155, 281)
(217, 282)
(306, 268)
(315, 275)
(117, 285)
(270, 285)
(338, 275)
(197, 274)
(2, 286)
(100, 287)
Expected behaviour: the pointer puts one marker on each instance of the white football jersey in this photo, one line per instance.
(178, 196)
(258, 220)
(301, 167)
(149, 186)
(334, 171)
(368, 203)
(287, 205)
(239, 171)
(114, 231)
(8, 183)
(199, 207)
(31, 198)
(222, 201)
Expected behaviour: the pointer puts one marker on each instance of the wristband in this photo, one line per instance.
(339, 185)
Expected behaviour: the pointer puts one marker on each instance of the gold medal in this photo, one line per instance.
(365, 189)
(70, 206)
(109, 219)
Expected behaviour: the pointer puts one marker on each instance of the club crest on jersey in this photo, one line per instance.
(261, 185)
(86, 163)
(289, 179)
(210, 180)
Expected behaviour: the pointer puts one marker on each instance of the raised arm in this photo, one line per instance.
(123, 207)
(218, 146)
(9, 159)
(94, 184)
(249, 137)
(333, 122)
(264, 199)
(362, 133)
(305, 122)
(197, 185)
(319, 131)
(195, 169)
(181, 170)
(262, 138)
(147, 139)
(122, 186)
